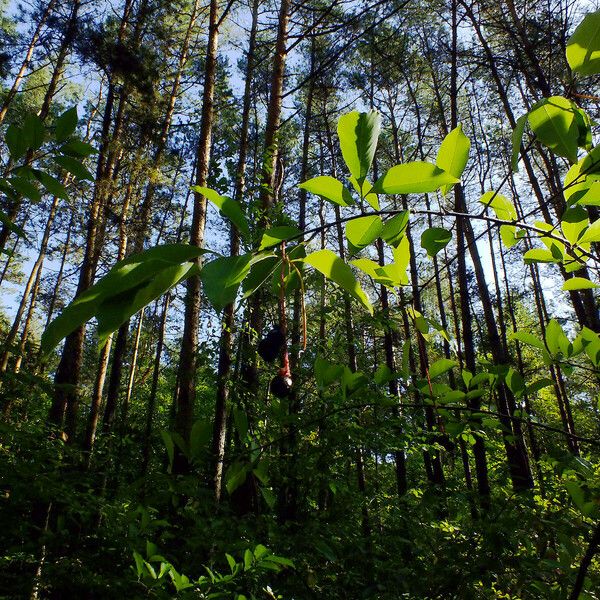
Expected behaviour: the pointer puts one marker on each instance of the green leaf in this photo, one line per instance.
(515, 382)
(25, 188)
(129, 274)
(16, 142)
(362, 231)
(276, 235)
(556, 340)
(517, 136)
(334, 268)
(583, 47)
(221, 279)
(236, 475)
(66, 124)
(169, 446)
(453, 154)
(579, 283)
(117, 309)
(327, 372)
(78, 148)
(573, 222)
(73, 166)
(248, 559)
(537, 255)
(229, 208)
(383, 374)
(260, 272)
(413, 178)
(358, 133)
(538, 385)
(328, 188)
(53, 186)
(554, 123)
(435, 239)
(240, 418)
(503, 208)
(528, 338)
(509, 235)
(5, 220)
(394, 228)
(33, 131)
(592, 233)
(439, 367)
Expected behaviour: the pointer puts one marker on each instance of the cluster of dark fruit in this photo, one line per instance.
(268, 349)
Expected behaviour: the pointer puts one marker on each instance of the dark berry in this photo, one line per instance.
(270, 346)
(281, 386)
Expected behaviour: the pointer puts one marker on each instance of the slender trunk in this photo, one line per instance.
(228, 319)
(184, 408)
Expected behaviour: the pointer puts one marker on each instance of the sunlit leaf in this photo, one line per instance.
(229, 208)
(358, 133)
(413, 178)
(328, 188)
(334, 268)
(583, 47)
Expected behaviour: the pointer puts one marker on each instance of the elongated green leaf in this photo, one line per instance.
(276, 235)
(328, 188)
(539, 255)
(573, 223)
(77, 148)
(221, 279)
(260, 272)
(129, 274)
(358, 133)
(583, 47)
(117, 309)
(413, 178)
(25, 188)
(435, 239)
(53, 186)
(554, 123)
(503, 208)
(229, 208)
(362, 231)
(579, 283)
(556, 339)
(66, 124)
(16, 142)
(327, 372)
(517, 137)
(33, 131)
(73, 166)
(334, 268)
(528, 338)
(592, 233)
(394, 228)
(439, 367)
(515, 382)
(453, 154)
(5, 220)
(591, 197)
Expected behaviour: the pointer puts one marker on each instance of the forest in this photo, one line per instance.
(298, 299)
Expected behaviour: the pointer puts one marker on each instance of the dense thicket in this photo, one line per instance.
(335, 330)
